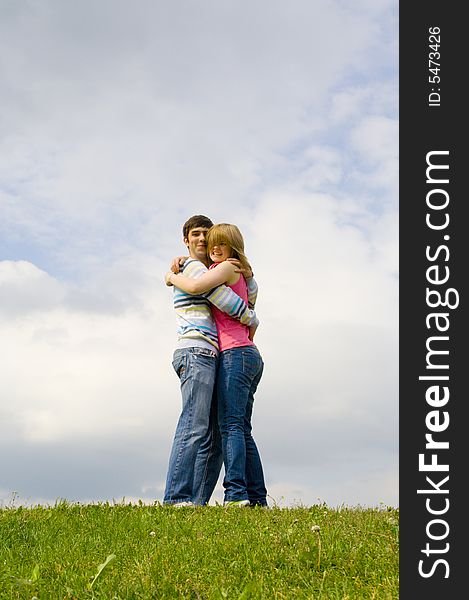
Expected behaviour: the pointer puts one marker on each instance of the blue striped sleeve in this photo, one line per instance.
(228, 301)
(252, 291)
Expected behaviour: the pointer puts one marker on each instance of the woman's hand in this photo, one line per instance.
(167, 278)
(177, 263)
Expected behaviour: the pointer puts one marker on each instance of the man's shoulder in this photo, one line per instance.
(193, 268)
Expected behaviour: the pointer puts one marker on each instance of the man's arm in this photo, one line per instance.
(223, 297)
(228, 301)
(177, 263)
(252, 291)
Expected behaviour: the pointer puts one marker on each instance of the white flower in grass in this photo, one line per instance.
(315, 528)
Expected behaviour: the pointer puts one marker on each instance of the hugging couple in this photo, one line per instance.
(219, 368)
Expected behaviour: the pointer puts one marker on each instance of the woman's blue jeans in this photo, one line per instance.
(239, 372)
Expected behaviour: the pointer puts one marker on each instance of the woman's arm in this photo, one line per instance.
(212, 278)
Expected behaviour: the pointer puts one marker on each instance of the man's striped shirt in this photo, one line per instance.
(196, 326)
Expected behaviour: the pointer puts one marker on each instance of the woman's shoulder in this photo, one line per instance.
(229, 271)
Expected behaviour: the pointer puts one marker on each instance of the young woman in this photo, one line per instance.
(239, 370)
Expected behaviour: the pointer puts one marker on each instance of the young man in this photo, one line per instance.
(196, 456)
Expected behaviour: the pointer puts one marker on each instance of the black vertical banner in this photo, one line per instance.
(434, 240)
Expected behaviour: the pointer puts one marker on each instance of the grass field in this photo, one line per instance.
(117, 551)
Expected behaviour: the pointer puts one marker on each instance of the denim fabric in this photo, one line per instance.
(196, 459)
(239, 372)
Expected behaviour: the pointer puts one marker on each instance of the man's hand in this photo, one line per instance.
(252, 331)
(177, 263)
(239, 269)
(167, 278)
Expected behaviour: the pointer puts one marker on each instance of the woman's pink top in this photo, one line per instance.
(232, 333)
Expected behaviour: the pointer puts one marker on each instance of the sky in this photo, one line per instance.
(121, 120)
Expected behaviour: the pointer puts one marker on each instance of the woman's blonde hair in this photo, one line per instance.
(231, 236)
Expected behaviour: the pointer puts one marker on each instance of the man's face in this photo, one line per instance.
(196, 243)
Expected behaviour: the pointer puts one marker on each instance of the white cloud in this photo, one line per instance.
(117, 125)
(25, 288)
(375, 138)
(327, 335)
(74, 370)
(350, 103)
(108, 133)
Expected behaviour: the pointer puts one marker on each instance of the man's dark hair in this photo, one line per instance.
(193, 222)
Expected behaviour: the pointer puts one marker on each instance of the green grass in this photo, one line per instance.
(197, 553)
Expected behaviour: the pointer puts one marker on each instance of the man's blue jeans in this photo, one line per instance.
(239, 372)
(196, 458)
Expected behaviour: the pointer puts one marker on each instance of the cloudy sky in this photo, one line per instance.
(119, 121)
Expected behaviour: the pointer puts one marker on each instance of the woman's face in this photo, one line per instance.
(220, 252)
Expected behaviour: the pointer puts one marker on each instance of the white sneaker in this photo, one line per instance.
(237, 503)
(183, 504)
